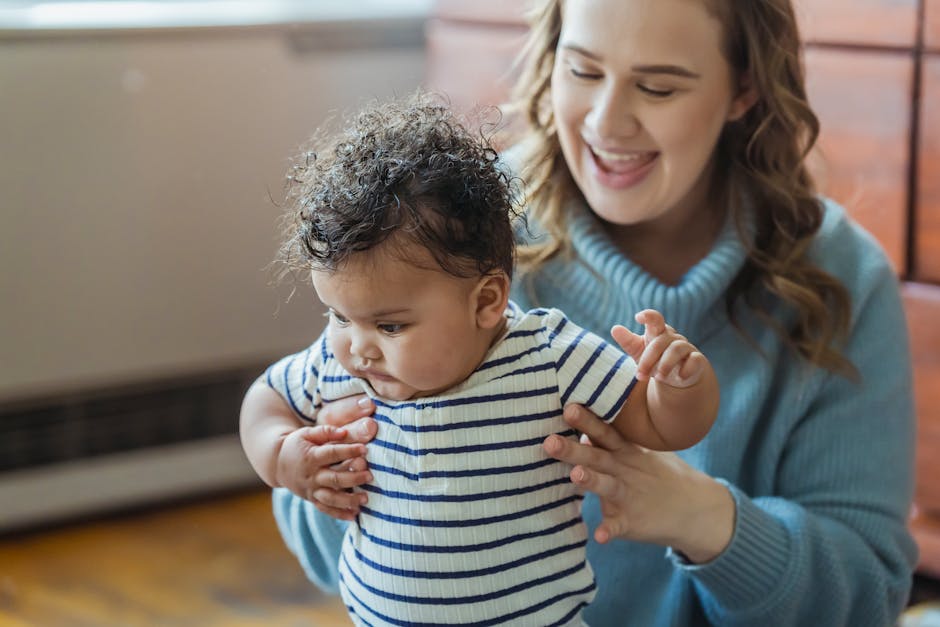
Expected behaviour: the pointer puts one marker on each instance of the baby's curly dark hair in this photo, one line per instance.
(402, 172)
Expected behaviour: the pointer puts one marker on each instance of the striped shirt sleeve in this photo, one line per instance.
(591, 371)
(296, 379)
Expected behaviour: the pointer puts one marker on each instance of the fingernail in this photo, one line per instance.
(552, 445)
(364, 402)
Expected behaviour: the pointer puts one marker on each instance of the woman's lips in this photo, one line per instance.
(620, 169)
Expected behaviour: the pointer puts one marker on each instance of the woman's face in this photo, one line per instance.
(641, 91)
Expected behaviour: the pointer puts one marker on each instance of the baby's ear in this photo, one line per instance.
(491, 297)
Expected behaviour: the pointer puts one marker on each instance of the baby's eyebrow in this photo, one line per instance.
(389, 312)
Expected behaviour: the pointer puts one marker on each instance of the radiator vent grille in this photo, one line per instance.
(94, 423)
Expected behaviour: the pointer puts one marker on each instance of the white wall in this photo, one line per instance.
(135, 169)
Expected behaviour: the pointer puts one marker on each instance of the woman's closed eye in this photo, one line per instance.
(655, 92)
(584, 75)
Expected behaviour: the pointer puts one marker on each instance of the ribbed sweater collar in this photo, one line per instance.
(626, 288)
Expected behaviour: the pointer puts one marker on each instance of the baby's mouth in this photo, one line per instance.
(372, 373)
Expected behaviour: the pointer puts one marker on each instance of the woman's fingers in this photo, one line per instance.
(362, 430)
(344, 411)
(599, 454)
(603, 485)
(322, 434)
(600, 433)
(341, 479)
(330, 454)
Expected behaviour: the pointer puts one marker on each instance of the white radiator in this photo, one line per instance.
(138, 163)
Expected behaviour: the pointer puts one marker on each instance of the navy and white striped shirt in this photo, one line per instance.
(468, 521)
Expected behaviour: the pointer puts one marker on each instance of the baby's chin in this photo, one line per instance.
(398, 391)
(394, 390)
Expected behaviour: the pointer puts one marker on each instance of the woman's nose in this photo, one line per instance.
(612, 114)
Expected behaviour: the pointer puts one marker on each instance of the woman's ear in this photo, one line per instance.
(745, 99)
(491, 297)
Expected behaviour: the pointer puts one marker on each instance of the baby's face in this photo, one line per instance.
(409, 331)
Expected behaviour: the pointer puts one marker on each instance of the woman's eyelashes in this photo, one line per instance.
(584, 75)
(655, 92)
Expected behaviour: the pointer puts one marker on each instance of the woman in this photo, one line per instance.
(665, 169)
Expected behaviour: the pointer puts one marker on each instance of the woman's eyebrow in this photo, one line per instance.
(675, 70)
(656, 68)
(579, 50)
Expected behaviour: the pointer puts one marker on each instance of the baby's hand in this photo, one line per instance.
(661, 352)
(314, 464)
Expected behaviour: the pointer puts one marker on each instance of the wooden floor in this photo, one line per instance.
(215, 563)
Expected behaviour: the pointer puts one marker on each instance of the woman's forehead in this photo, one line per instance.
(677, 32)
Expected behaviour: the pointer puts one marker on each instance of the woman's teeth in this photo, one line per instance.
(619, 157)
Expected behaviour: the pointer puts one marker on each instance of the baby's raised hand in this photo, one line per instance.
(661, 352)
(314, 464)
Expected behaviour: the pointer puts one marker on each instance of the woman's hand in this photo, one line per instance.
(346, 426)
(352, 412)
(647, 496)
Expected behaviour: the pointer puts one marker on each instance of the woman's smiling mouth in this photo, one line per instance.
(620, 169)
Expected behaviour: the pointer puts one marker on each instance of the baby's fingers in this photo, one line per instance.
(647, 364)
(342, 505)
(653, 321)
(631, 343)
(687, 372)
(673, 357)
(693, 369)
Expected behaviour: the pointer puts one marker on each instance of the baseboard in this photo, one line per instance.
(79, 488)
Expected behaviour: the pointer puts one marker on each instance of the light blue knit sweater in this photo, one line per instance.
(821, 468)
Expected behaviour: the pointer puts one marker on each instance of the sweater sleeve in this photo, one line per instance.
(314, 538)
(831, 546)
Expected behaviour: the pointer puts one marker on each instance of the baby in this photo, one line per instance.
(405, 224)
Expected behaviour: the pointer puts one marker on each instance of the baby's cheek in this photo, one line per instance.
(340, 348)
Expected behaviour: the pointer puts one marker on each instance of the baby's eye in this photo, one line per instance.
(391, 328)
(338, 318)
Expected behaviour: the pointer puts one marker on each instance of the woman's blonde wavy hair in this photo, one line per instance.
(760, 157)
